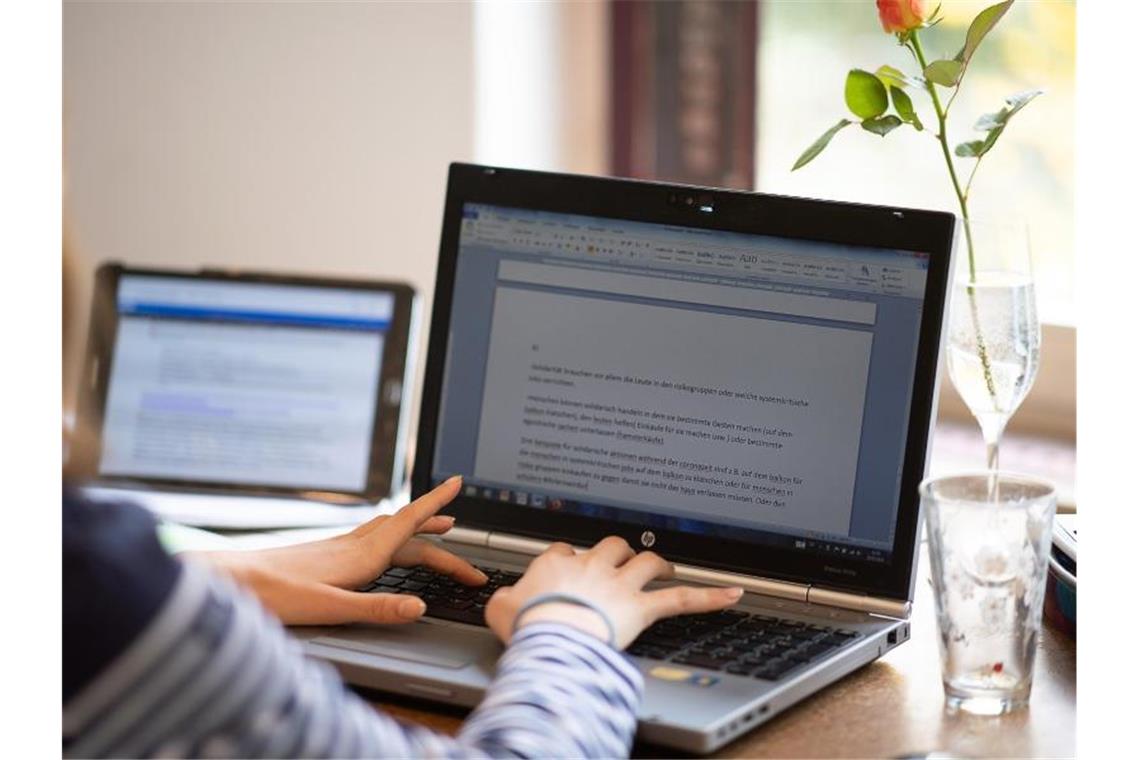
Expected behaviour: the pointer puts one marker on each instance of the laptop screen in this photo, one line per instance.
(243, 382)
(717, 383)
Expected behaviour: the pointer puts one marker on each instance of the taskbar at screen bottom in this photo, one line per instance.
(536, 500)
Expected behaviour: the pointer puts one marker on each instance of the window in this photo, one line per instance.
(806, 49)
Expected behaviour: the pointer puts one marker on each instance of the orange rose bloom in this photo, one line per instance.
(899, 16)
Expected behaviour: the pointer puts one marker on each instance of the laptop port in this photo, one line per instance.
(893, 637)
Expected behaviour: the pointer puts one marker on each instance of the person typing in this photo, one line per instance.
(187, 656)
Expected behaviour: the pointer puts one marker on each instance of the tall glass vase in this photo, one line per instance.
(995, 337)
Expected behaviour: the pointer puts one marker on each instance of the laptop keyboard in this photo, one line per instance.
(731, 641)
(740, 643)
(445, 599)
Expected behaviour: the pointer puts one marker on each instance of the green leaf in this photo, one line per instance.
(882, 125)
(865, 94)
(892, 77)
(946, 72)
(1013, 104)
(972, 149)
(982, 24)
(905, 108)
(993, 124)
(1019, 100)
(818, 146)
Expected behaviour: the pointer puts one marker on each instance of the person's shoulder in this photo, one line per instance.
(116, 578)
(83, 515)
(112, 535)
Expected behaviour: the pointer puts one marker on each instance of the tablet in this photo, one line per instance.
(247, 383)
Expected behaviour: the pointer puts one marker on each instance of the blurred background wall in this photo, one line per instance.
(315, 136)
(301, 137)
(309, 137)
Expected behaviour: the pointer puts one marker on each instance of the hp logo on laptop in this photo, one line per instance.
(648, 539)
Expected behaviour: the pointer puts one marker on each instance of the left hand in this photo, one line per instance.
(611, 576)
(313, 583)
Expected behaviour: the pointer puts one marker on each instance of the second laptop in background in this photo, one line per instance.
(247, 400)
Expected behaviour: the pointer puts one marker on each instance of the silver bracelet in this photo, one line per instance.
(558, 596)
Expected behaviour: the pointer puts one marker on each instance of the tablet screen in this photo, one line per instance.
(219, 381)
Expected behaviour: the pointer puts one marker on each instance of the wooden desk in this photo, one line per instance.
(893, 707)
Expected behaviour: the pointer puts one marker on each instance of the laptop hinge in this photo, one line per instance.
(755, 584)
(469, 536)
(752, 583)
(876, 605)
(534, 546)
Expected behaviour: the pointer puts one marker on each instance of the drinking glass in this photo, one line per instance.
(990, 534)
(995, 338)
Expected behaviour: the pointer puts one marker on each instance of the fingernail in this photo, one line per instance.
(734, 593)
(449, 518)
(411, 608)
(454, 479)
(482, 575)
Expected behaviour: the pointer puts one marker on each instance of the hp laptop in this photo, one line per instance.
(742, 382)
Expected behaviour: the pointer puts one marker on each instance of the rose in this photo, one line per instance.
(901, 16)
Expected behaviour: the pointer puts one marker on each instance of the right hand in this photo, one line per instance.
(316, 583)
(611, 576)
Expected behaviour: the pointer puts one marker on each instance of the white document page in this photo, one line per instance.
(739, 419)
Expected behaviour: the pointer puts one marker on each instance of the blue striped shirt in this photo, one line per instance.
(211, 674)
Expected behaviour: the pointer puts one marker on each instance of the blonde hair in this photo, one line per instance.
(78, 440)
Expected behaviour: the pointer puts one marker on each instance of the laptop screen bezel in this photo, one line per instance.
(928, 232)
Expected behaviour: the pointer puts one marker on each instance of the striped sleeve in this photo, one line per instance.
(558, 688)
(213, 675)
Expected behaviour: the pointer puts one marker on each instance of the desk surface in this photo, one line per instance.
(893, 707)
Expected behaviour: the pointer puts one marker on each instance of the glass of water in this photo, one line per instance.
(995, 337)
(990, 535)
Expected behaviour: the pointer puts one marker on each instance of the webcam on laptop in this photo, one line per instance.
(702, 202)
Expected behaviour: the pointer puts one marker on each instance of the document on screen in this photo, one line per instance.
(746, 419)
(249, 404)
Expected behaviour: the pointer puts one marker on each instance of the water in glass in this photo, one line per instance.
(995, 315)
(989, 556)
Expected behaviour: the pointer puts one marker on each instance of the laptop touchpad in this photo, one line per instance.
(425, 643)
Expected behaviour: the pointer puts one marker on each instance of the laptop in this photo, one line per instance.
(741, 382)
(246, 400)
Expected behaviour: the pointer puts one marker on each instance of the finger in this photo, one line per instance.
(437, 524)
(403, 525)
(334, 606)
(612, 550)
(646, 567)
(684, 600)
(417, 552)
(369, 554)
(561, 548)
(298, 602)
